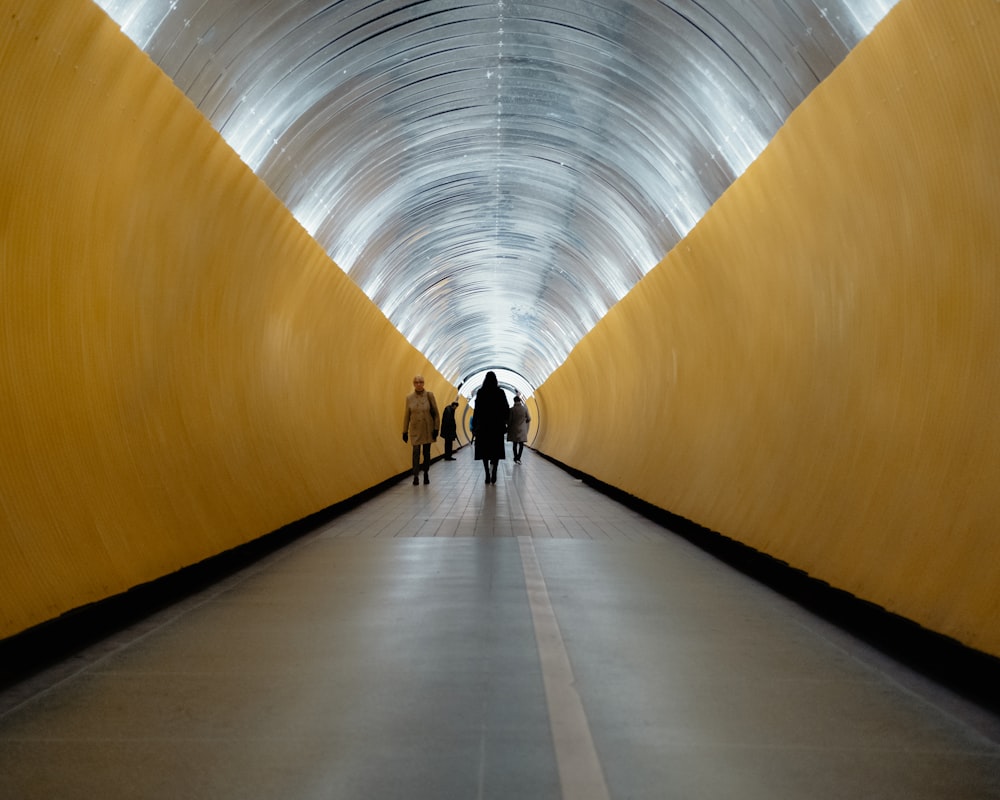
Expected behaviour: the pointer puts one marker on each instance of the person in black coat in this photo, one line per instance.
(490, 425)
(449, 432)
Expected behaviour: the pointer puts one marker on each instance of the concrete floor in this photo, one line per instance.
(528, 640)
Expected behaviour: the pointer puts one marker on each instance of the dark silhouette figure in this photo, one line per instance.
(490, 425)
(448, 430)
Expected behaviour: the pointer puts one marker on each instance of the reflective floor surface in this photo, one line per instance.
(528, 640)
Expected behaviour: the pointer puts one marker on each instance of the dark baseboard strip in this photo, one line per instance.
(970, 673)
(48, 643)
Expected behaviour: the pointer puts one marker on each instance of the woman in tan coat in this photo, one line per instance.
(420, 426)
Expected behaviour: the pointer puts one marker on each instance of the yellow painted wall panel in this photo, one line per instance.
(814, 370)
(182, 369)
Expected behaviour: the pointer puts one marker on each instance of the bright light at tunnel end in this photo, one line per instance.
(512, 382)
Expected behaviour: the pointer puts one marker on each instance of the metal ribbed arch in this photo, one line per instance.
(495, 175)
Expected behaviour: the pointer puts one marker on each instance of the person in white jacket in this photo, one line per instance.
(517, 427)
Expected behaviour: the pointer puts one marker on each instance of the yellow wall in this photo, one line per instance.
(182, 369)
(815, 369)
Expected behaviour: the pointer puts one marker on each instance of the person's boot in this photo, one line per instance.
(427, 478)
(416, 479)
(493, 474)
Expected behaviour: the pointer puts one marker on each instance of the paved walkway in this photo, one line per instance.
(523, 641)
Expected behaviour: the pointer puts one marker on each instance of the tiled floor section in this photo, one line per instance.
(393, 654)
(523, 502)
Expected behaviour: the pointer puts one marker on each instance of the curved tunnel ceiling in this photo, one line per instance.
(496, 175)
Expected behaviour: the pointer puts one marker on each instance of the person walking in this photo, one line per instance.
(517, 427)
(420, 426)
(448, 430)
(490, 425)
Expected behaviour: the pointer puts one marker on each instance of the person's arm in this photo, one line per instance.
(406, 420)
(435, 417)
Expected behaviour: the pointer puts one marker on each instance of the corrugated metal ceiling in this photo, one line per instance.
(496, 175)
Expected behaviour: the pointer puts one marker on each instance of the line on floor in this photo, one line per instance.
(580, 773)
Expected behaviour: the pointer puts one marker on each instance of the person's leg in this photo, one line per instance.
(416, 464)
(447, 448)
(486, 469)
(493, 474)
(427, 461)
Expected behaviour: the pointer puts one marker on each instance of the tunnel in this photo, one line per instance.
(740, 260)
